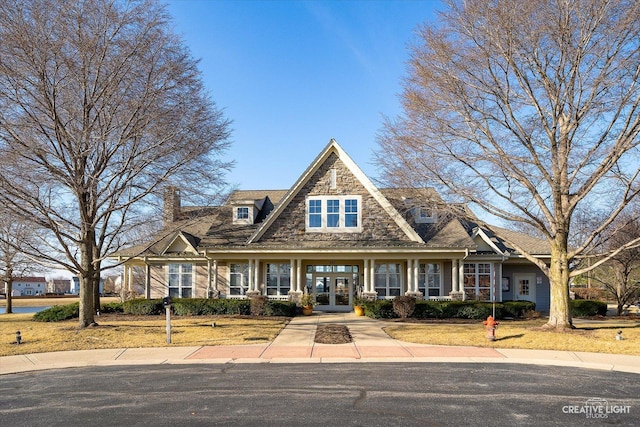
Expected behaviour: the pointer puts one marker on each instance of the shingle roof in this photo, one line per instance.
(274, 195)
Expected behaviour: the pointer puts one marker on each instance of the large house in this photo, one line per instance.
(27, 286)
(335, 235)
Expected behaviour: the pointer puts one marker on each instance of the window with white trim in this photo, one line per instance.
(238, 279)
(334, 214)
(180, 280)
(387, 280)
(278, 279)
(242, 212)
(430, 280)
(477, 281)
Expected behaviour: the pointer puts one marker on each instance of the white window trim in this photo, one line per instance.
(342, 229)
(244, 279)
(387, 274)
(476, 287)
(239, 220)
(421, 217)
(279, 276)
(424, 284)
(180, 286)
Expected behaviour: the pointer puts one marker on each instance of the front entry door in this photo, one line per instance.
(332, 291)
(525, 287)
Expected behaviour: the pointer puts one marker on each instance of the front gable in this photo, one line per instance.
(182, 243)
(484, 243)
(334, 176)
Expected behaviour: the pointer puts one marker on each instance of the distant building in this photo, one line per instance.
(59, 286)
(75, 286)
(28, 286)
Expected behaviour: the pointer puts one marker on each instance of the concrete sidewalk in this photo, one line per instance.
(295, 344)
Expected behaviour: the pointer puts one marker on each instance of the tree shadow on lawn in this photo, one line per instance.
(595, 328)
(509, 337)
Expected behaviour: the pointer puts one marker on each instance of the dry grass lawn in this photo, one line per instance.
(120, 331)
(596, 336)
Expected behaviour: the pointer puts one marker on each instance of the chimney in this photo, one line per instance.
(171, 209)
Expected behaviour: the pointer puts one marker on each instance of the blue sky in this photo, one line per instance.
(291, 75)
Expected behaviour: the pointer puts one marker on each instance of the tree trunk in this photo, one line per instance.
(87, 308)
(559, 310)
(9, 296)
(96, 288)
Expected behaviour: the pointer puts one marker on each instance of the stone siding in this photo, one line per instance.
(376, 222)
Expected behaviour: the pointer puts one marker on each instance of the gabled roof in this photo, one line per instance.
(274, 195)
(334, 148)
(492, 243)
(182, 242)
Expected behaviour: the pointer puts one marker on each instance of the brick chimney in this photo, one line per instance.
(171, 208)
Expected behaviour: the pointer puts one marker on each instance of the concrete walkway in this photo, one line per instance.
(295, 344)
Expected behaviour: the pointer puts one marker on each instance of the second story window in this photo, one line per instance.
(334, 214)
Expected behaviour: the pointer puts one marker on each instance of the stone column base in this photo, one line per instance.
(456, 295)
(294, 296)
(370, 296)
(251, 294)
(416, 295)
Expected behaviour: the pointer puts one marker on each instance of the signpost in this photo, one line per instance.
(166, 302)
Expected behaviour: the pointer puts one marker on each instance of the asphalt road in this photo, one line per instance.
(366, 394)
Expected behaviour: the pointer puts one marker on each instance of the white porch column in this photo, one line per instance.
(147, 280)
(252, 280)
(461, 277)
(416, 275)
(208, 290)
(409, 276)
(498, 270)
(293, 275)
(372, 275)
(130, 277)
(256, 275)
(365, 287)
(454, 275)
(215, 277)
(300, 276)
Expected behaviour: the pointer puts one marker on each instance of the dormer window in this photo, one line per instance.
(424, 215)
(242, 213)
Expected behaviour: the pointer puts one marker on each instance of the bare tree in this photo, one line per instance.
(101, 105)
(530, 111)
(620, 275)
(14, 235)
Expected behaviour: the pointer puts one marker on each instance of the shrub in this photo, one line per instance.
(476, 310)
(258, 305)
(379, 309)
(188, 306)
(589, 293)
(111, 307)
(517, 309)
(280, 308)
(58, 313)
(143, 307)
(426, 309)
(404, 306)
(586, 308)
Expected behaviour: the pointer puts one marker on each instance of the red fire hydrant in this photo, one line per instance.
(490, 325)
